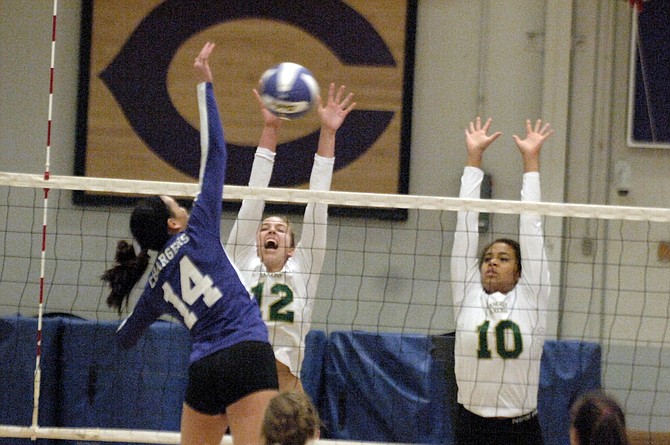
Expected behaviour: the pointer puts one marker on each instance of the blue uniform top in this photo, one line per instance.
(192, 278)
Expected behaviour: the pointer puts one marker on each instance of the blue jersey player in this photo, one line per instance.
(232, 373)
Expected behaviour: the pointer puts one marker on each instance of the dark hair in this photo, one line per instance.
(148, 224)
(597, 419)
(290, 419)
(123, 276)
(510, 242)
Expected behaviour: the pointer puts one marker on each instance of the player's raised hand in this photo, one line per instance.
(201, 65)
(336, 108)
(477, 140)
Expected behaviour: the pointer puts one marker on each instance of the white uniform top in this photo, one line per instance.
(499, 338)
(286, 298)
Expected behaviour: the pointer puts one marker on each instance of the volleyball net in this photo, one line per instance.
(383, 303)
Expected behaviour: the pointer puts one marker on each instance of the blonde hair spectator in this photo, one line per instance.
(290, 419)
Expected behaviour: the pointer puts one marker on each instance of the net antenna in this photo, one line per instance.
(38, 355)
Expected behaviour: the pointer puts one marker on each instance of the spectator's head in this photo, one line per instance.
(290, 419)
(596, 418)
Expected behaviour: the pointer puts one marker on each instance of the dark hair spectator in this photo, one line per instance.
(596, 418)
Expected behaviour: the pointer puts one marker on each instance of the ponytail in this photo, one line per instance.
(126, 272)
(148, 224)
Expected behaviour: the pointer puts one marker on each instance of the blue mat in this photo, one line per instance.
(139, 388)
(401, 388)
(568, 369)
(367, 386)
(18, 346)
(384, 387)
(312, 372)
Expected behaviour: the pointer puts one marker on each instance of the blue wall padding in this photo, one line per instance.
(383, 387)
(312, 372)
(18, 346)
(568, 369)
(107, 387)
(18, 351)
(387, 387)
(443, 388)
(380, 387)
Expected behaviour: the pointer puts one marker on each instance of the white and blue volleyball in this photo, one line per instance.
(289, 90)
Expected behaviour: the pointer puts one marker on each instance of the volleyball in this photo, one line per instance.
(288, 90)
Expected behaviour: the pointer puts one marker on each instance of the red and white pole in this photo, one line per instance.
(38, 372)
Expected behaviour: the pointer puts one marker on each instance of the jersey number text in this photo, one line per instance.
(502, 328)
(193, 286)
(284, 296)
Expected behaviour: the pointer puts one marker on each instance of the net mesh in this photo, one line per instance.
(609, 267)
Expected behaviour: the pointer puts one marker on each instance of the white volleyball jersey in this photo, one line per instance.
(286, 298)
(499, 337)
